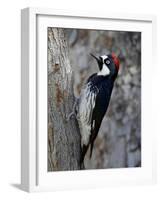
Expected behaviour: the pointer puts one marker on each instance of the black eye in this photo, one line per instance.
(107, 62)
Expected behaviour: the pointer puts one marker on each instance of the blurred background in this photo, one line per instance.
(118, 143)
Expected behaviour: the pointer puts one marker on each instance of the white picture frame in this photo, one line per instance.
(33, 175)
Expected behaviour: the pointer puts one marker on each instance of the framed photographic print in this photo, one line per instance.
(86, 107)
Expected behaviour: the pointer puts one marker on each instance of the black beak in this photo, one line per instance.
(99, 61)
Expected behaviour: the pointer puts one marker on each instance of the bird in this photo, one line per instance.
(94, 100)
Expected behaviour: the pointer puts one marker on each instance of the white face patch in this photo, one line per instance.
(105, 70)
(104, 57)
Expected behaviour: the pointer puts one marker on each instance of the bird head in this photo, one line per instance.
(108, 64)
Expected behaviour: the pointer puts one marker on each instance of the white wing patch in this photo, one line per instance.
(86, 106)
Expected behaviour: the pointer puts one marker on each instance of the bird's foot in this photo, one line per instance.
(74, 112)
(71, 115)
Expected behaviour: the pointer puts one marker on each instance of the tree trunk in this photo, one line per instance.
(64, 147)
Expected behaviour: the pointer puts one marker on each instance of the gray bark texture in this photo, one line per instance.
(64, 148)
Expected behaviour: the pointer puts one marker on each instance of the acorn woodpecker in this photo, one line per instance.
(94, 100)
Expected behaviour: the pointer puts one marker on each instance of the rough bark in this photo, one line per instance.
(63, 136)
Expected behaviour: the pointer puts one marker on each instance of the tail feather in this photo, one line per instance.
(84, 151)
(91, 149)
